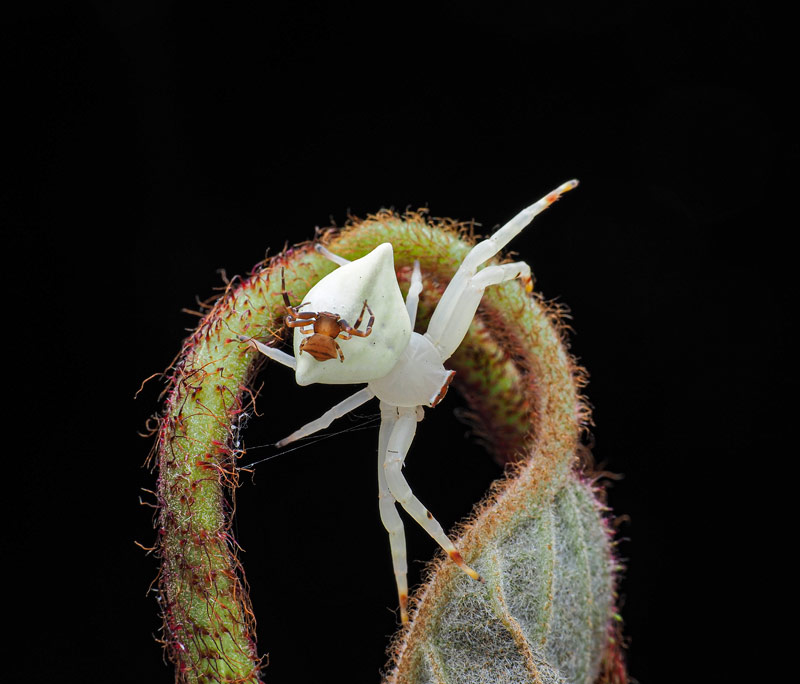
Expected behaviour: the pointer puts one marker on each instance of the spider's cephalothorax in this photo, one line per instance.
(323, 327)
(402, 368)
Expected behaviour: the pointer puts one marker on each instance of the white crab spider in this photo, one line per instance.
(404, 369)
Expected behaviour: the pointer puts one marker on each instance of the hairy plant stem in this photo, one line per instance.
(524, 394)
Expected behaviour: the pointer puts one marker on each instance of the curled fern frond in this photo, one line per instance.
(546, 610)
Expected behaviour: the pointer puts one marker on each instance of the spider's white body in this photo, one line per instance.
(372, 277)
(403, 369)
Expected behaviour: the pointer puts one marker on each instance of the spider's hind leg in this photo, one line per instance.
(389, 516)
(396, 449)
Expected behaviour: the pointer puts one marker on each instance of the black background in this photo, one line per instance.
(152, 144)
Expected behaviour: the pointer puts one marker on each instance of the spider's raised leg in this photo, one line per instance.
(454, 313)
(271, 352)
(396, 450)
(470, 298)
(342, 408)
(389, 516)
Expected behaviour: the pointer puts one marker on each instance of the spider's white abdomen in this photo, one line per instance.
(343, 292)
(418, 377)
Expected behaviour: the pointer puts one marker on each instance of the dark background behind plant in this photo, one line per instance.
(152, 144)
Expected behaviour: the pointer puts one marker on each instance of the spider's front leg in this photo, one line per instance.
(397, 445)
(456, 309)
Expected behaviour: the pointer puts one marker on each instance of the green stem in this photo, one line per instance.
(523, 390)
